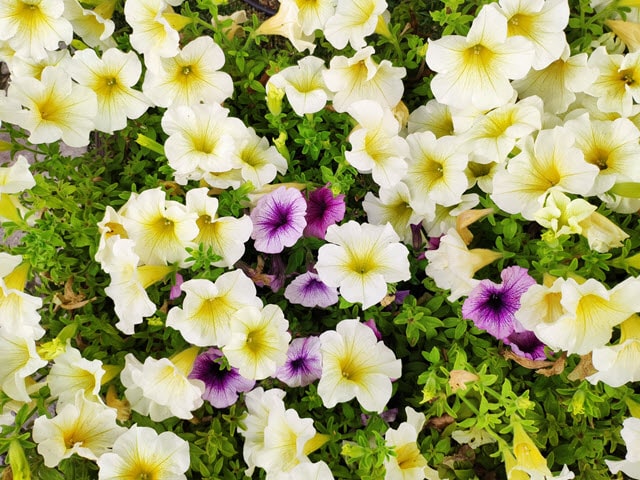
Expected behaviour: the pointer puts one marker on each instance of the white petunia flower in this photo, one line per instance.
(408, 463)
(19, 361)
(259, 162)
(286, 23)
(313, 15)
(434, 117)
(631, 435)
(71, 372)
(91, 25)
(352, 21)
(18, 310)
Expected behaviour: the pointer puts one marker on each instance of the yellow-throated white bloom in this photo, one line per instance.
(32, 27)
(160, 388)
(19, 361)
(57, 108)
(94, 27)
(542, 22)
(316, 471)
(29, 67)
(361, 78)
(618, 84)
(446, 218)
(286, 23)
(376, 146)
(258, 342)
(352, 21)
(476, 69)
(71, 372)
(395, 207)
(303, 84)
(142, 453)
(190, 77)
(207, 311)
(579, 317)
(434, 117)
(557, 83)
(619, 364)
(436, 171)
(202, 139)
(259, 161)
(225, 235)
(551, 162)
(408, 463)
(356, 364)
(313, 14)
(361, 259)
(562, 215)
(161, 229)
(83, 427)
(111, 78)
(612, 146)
(601, 233)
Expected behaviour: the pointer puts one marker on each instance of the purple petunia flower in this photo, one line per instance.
(304, 363)
(176, 291)
(222, 385)
(492, 306)
(526, 344)
(278, 220)
(323, 210)
(309, 291)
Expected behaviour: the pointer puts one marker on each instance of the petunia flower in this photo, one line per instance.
(407, 463)
(309, 291)
(562, 215)
(526, 344)
(221, 384)
(476, 69)
(71, 372)
(352, 21)
(258, 161)
(434, 117)
(361, 259)
(94, 27)
(630, 433)
(313, 15)
(141, 452)
(19, 360)
(304, 363)
(278, 220)
(286, 23)
(356, 364)
(323, 209)
(492, 306)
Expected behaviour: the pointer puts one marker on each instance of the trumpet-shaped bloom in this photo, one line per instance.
(323, 209)
(476, 69)
(313, 14)
(286, 23)
(542, 23)
(303, 84)
(434, 117)
(56, 108)
(31, 67)
(304, 363)
(19, 361)
(408, 463)
(221, 384)
(376, 146)
(202, 139)
(18, 310)
(225, 235)
(561, 215)
(552, 162)
(32, 27)
(160, 228)
(111, 78)
(361, 259)
(361, 78)
(356, 364)
(278, 220)
(207, 310)
(352, 21)
(71, 372)
(259, 340)
(84, 427)
(190, 77)
(90, 25)
(258, 161)
(160, 387)
(309, 291)
(601, 233)
(492, 306)
(525, 344)
(141, 452)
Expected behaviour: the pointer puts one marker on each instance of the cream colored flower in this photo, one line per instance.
(352, 21)
(313, 14)
(286, 23)
(601, 233)
(259, 161)
(90, 25)
(408, 463)
(563, 215)
(19, 361)
(434, 117)
(71, 372)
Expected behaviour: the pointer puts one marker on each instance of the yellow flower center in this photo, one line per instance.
(520, 25)
(598, 156)
(408, 456)
(627, 77)
(186, 70)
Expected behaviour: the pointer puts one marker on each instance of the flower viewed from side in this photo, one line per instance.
(304, 363)
(278, 220)
(352, 21)
(361, 259)
(221, 383)
(492, 306)
(323, 209)
(525, 344)
(408, 463)
(94, 27)
(286, 23)
(84, 427)
(19, 360)
(562, 215)
(72, 372)
(356, 364)
(309, 291)
(141, 452)
(476, 69)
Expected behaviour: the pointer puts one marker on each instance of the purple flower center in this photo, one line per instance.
(495, 301)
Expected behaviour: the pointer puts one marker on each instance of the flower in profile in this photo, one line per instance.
(278, 220)
(190, 77)
(352, 21)
(309, 291)
(601, 233)
(33, 27)
(476, 69)
(434, 117)
(492, 306)
(525, 344)
(286, 23)
(19, 360)
(562, 215)
(304, 363)
(111, 78)
(84, 427)
(57, 108)
(221, 383)
(141, 452)
(408, 463)
(72, 372)
(323, 209)
(94, 27)
(361, 259)
(356, 364)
